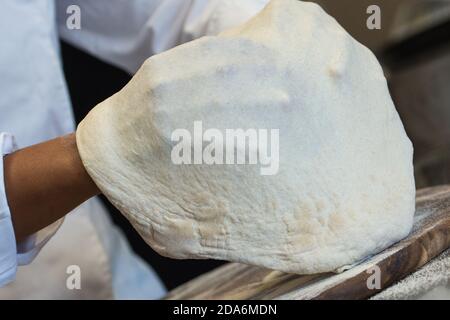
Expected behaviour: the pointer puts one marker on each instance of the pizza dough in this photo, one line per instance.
(344, 188)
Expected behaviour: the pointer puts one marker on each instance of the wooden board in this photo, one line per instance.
(429, 237)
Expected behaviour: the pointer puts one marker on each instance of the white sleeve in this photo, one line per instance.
(125, 33)
(8, 250)
(12, 254)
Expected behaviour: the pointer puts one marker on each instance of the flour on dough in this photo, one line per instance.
(345, 186)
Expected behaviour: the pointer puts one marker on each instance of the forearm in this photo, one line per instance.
(44, 182)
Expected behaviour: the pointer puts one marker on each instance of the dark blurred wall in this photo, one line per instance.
(351, 14)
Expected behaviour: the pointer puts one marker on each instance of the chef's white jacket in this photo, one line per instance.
(35, 106)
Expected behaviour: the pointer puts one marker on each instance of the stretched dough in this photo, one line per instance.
(344, 188)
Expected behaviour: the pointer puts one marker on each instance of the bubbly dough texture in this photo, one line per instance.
(345, 186)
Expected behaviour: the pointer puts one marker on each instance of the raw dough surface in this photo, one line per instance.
(345, 186)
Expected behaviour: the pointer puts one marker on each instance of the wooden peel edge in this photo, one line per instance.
(430, 236)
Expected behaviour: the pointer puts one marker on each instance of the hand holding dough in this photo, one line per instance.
(345, 186)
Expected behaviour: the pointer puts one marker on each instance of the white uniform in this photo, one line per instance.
(34, 107)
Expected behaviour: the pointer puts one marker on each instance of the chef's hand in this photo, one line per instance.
(43, 183)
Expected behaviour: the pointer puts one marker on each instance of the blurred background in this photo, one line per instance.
(413, 46)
